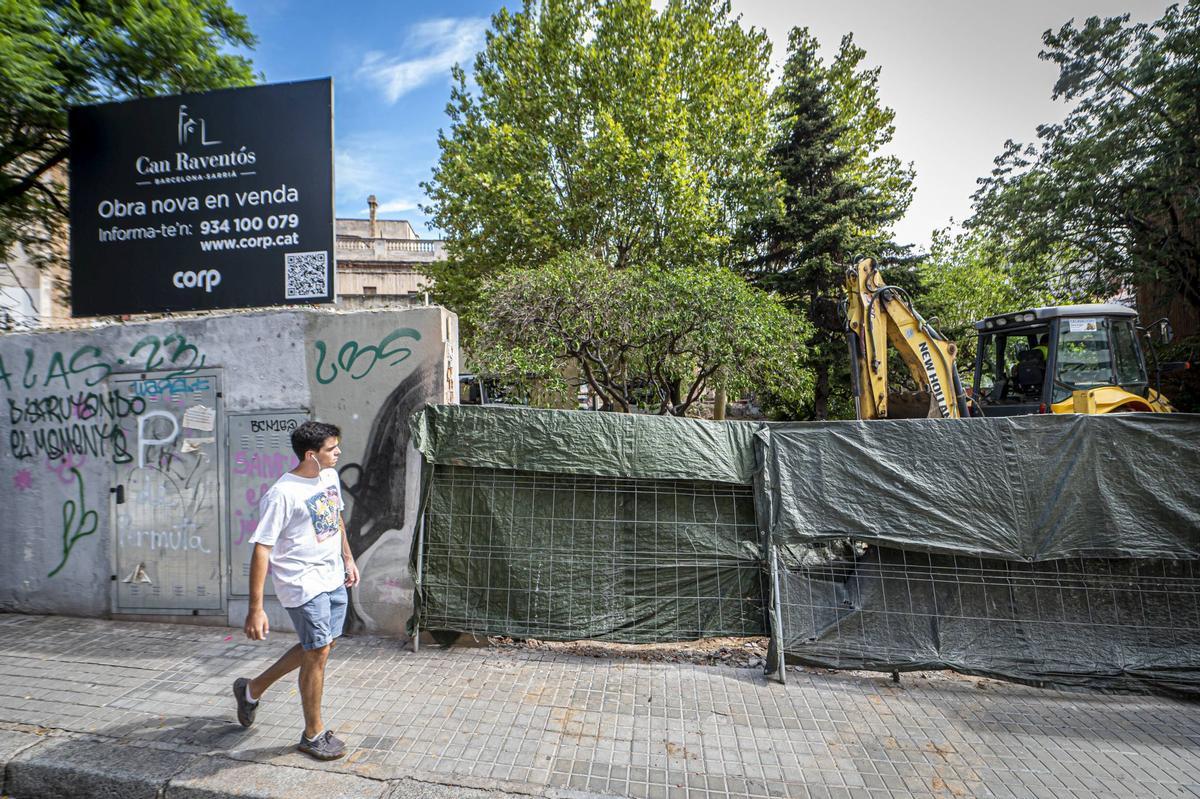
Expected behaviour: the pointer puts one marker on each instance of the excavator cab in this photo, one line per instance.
(1062, 359)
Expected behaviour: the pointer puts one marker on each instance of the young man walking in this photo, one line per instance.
(301, 535)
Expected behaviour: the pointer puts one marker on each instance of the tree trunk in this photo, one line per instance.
(1190, 280)
(821, 393)
(719, 405)
(674, 389)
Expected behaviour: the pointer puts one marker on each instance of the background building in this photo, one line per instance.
(31, 297)
(379, 261)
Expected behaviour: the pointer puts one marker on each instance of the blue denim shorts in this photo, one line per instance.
(319, 620)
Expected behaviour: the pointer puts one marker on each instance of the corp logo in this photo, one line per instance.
(208, 278)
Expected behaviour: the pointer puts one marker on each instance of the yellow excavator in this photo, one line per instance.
(1061, 359)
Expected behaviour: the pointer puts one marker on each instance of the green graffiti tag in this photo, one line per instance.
(353, 356)
(182, 350)
(77, 521)
(90, 365)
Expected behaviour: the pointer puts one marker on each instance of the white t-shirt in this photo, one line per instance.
(299, 519)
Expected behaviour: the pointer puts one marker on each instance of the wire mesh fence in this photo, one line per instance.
(847, 604)
(564, 557)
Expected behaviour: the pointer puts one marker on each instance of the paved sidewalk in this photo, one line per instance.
(92, 707)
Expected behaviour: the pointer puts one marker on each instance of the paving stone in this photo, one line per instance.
(543, 723)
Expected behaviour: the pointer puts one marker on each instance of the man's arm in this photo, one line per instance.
(347, 557)
(256, 618)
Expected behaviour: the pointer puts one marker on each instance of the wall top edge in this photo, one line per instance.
(95, 325)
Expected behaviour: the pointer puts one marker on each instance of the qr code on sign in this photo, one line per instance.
(306, 275)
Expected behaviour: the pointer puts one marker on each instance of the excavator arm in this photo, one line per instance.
(878, 314)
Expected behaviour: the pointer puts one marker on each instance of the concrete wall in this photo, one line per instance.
(147, 409)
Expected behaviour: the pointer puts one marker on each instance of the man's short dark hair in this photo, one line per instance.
(312, 435)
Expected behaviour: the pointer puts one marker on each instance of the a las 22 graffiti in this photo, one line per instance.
(356, 360)
(88, 364)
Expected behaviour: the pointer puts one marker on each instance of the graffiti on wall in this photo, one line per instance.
(377, 485)
(88, 365)
(356, 360)
(65, 409)
(77, 521)
(267, 467)
(261, 453)
(72, 425)
(60, 414)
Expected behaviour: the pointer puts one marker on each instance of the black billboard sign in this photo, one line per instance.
(216, 200)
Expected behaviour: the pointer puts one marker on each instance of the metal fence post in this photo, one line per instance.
(777, 616)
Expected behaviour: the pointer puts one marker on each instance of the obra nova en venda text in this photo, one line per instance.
(285, 224)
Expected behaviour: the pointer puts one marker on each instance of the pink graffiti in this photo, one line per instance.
(248, 518)
(63, 466)
(268, 465)
(23, 480)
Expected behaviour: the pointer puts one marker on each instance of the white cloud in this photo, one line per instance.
(354, 173)
(430, 49)
(397, 206)
(389, 165)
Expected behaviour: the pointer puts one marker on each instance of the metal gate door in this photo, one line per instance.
(168, 522)
(260, 450)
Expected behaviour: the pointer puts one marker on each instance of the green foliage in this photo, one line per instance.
(640, 337)
(55, 54)
(1113, 192)
(835, 200)
(1180, 386)
(970, 276)
(608, 127)
(866, 128)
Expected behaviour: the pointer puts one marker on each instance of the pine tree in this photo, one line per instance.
(824, 215)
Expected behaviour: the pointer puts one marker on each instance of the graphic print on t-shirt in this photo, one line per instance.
(323, 510)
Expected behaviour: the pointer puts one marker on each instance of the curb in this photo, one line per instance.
(59, 766)
(39, 763)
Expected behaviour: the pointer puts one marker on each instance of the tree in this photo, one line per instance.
(640, 337)
(969, 276)
(1112, 192)
(55, 54)
(608, 127)
(867, 128)
(826, 213)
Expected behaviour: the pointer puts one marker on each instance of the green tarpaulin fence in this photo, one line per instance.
(1052, 548)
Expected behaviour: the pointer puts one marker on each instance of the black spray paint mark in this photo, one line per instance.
(377, 485)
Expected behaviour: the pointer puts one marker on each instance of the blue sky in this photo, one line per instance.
(390, 63)
(962, 75)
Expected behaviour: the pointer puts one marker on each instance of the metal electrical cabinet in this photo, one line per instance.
(260, 450)
(166, 494)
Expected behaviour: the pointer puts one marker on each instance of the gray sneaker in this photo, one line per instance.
(245, 708)
(325, 746)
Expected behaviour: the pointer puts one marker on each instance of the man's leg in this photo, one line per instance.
(312, 686)
(289, 662)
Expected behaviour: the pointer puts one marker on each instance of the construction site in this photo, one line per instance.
(693, 454)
